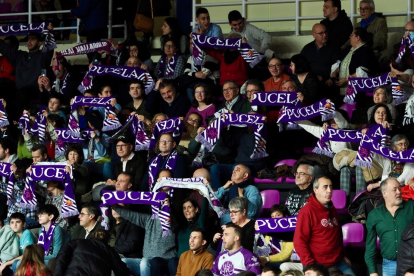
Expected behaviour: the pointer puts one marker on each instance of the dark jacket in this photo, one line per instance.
(94, 13)
(237, 107)
(28, 64)
(178, 108)
(129, 240)
(363, 56)
(136, 167)
(89, 257)
(405, 257)
(79, 232)
(338, 29)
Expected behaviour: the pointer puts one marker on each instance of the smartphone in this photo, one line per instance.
(43, 72)
(95, 62)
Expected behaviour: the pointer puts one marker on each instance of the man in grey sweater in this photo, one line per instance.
(159, 253)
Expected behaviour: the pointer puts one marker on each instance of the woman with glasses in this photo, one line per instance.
(202, 103)
(74, 156)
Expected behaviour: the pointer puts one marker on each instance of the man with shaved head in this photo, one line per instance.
(274, 83)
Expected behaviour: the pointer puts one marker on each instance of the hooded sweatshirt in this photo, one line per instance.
(338, 29)
(318, 235)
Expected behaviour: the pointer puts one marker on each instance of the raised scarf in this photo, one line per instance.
(202, 41)
(24, 122)
(3, 118)
(137, 128)
(174, 125)
(409, 112)
(276, 98)
(149, 198)
(5, 171)
(364, 154)
(46, 238)
(39, 126)
(110, 122)
(123, 72)
(322, 108)
(87, 48)
(405, 41)
(166, 69)
(210, 136)
(369, 84)
(61, 87)
(197, 183)
(64, 136)
(50, 171)
(153, 167)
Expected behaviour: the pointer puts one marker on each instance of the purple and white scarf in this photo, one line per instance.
(87, 48)
(39, 126)
(338, 135)
(3, 117)
(61, 87)
(64, 136)
(323, 108)
(137, 128)
(110, 122)
(246, 51)
(174, 125)
(369, 84)
(194, 183)
(210, 136)
(24, 122)
(405, 41)
(123, 72)
(153, 167)
(50, 171)
(364, 154)
(166, 69)
(5, 171)
(46, 238)
(149, 198)
(276, 98)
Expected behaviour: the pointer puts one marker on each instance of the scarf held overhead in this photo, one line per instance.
(364, 154)
(87, 48)
(3, 118)
(201, 41)
(405, 41)
(275, 98)
(5, 171)
(137, 129)
(39, 126)
(174, 125)
(64, 136)
(322, 108)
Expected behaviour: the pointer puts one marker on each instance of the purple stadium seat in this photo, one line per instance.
(348, 108)
(339, 199)
(269, 198)
(353, 235)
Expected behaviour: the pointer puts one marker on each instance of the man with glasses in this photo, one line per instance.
(87, 223)
(337, 23)
(232, 100)
(373, 24)
(274, 83)
(297, 196)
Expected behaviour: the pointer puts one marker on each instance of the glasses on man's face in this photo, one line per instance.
(273, 66)
(233, 212)
(169, 46)
(322, 33)
(83, 214)
(165, 141)
(121, 146)
(300, 174)
(364, 9)
(252, 91)
(228, 89)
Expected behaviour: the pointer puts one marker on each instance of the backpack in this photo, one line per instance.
(364, 203)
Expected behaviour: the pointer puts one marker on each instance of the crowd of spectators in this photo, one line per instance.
(131, 239)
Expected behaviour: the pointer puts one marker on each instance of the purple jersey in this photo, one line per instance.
(230, 264)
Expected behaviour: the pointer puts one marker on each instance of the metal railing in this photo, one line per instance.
(30, 13)
(297, 17)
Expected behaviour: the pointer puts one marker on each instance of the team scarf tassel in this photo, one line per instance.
(211, 134)
(369, 84)
(5, 171)
(161, 210)
(322, 108)
(194, 183)
(251, 56)
(3, 117)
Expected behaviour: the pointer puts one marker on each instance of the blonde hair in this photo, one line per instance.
(33, 262)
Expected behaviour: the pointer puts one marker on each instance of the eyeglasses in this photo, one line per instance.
(169, 46)
(322, 33)
(364, 9)
(193, 121)
(200, 92)
(408, 31)
(273, 66)
(228, 89)
(83, 214)
(252, 91)
(300, 174)
(234, 212)
(166, 93)
(121, 146)
(165, 141)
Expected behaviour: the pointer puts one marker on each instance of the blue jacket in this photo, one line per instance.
(94, 13)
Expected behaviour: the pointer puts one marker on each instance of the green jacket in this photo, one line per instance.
(9, 244)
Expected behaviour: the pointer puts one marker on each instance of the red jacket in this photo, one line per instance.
(317, 240)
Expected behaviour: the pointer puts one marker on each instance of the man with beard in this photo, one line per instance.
(387, 222)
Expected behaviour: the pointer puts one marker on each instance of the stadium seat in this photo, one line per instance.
(348, 108)
(353, 235)
(269, 198)
(339, 201)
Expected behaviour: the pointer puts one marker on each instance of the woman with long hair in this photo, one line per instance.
(172, 29)
(33, 263)
(202, 103)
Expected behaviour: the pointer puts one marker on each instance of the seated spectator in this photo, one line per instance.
(281, 250)
(289, 85)
(136, 91)
(104, 92)
(167, 101)
(296, 199)
(25, 238)
(271, 271)
(337, 23)
(358, 62)
(48, 214)
(316, 269)
(307, 83)
(55, 104)
(197, 257)
(235, 258)
(232, 98)
(204, 26)
(100, 257)
(255, 37)
(238, 208)
(382, 95)
(202, 103)
(312, 238)
(274, 83)
(253, 86)
(88, 223)
(171, 64)
(32, 262)
(373, 24)
(75, 157)
(171, 29)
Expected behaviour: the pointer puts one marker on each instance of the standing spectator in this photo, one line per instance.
(33, 262)
(307, 82)
(318, 235)
(405, 257)
(171, 30)
(297, 197)
(278, 76)
(94, 14)
(204, 26)
(337, 23)
(387, 222)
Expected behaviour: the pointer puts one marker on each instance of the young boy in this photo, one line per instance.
(17, 224)
(49, 231)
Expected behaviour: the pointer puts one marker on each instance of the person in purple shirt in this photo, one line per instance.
(235, 258)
